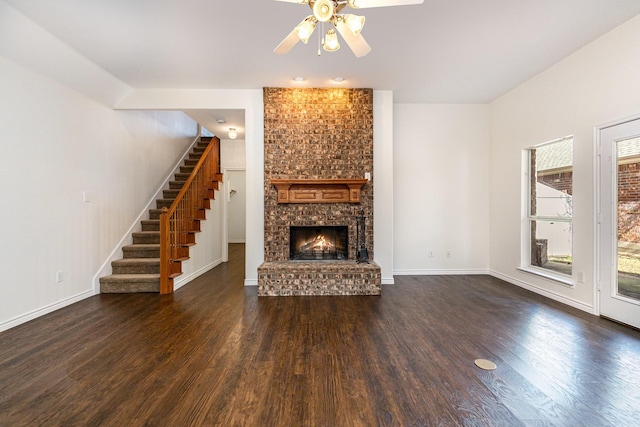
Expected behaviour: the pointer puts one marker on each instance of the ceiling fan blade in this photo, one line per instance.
(287, 44)
(357, 44)
(363, 4)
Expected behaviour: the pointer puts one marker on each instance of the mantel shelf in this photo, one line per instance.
(319, 190)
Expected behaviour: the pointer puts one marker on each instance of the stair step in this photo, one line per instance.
(199, 150)
(171, 193)
(154, 214)
(186, 169)
(164, 203)
(191, 162)
(141, 251)
(146, 237)
(136, 266)
(176, 185)
(150, 224)
(181, 176)
(130, 283)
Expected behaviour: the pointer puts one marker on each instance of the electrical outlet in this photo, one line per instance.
(430, 254)
(59, 276)
(580, 277)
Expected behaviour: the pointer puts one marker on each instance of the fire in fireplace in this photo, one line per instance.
(318, 243)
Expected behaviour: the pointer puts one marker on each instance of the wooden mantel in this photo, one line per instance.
(319, 190)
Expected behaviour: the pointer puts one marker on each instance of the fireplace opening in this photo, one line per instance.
(318, 243)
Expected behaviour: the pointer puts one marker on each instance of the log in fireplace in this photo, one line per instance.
(318, 243)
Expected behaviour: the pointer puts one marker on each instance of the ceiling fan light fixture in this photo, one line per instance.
(323, 10)
(233, 134)
(331, 43)
(305, 29)
(355, 23)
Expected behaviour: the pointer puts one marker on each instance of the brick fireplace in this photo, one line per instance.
(318, 147)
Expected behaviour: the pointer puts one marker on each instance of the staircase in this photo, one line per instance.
(139, 270)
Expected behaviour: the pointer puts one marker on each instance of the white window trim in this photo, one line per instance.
(525, 251)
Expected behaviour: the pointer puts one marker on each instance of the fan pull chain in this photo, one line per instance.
(320, 39)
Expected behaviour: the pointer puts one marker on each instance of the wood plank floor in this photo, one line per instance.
(214, 354)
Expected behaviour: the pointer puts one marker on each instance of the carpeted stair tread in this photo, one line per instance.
(171, 193)
(150, 224)
(136, 266)
(143, 237)
(151, 250)
(130, 283)
(154, 214)
(161, 203)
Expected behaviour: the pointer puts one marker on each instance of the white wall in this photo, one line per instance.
(57, 144)
(383, 179)
(598, 84)
(207, 253)
(441, 189)
(233, 154)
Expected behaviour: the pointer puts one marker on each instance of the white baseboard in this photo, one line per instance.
(425, 272)
(388, 281)
(251, 282)
(24, 318)
(236, 241)
(545, 292)
(185, 279)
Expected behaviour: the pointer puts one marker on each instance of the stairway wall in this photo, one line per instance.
(56, 144)
(207, 252)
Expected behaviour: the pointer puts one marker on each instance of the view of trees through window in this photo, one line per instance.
(551, 205)
(628, 218)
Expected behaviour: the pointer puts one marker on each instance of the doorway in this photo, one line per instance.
(236, 204)
(619, 222)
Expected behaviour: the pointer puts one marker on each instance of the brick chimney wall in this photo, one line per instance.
(313, 134)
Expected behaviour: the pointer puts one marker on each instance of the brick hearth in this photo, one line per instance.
(295, 278)
(317, 134)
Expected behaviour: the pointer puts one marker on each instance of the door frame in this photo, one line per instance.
(598, 247)
(225, 212)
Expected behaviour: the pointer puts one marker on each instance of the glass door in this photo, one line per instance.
(619, 223)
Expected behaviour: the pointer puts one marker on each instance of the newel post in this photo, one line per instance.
(166, 282)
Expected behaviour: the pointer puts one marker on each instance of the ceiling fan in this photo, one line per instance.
(348, 25)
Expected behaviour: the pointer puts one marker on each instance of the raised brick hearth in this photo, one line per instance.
(317, 134)
(296, 278)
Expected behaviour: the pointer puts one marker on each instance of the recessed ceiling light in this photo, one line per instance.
(221, 121)
(338, 79)
(298, 79)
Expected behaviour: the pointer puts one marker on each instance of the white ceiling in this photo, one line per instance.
(210, 119)
(443, 51)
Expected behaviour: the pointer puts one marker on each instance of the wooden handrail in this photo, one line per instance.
(179, 222)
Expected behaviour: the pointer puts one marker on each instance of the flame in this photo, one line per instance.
(319, 242)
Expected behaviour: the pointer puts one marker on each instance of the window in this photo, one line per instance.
(549, 219)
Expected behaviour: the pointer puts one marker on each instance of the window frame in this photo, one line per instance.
(528, 218)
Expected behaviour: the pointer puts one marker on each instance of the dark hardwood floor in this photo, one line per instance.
(215, 354)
